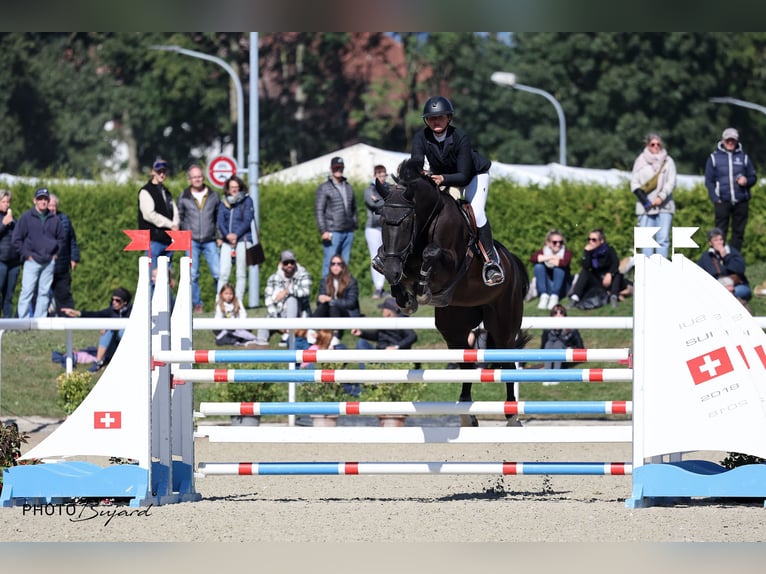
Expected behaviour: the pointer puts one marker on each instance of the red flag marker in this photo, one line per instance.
(181, 240)
(139, 239)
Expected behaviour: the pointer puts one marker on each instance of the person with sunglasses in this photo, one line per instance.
(157, 212)
(653, 180)
(729, 176)
(286, 293)
(599, 279)
(551, 269)
(338, 293)
(119, 308)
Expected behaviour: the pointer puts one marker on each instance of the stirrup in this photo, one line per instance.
(492, 274)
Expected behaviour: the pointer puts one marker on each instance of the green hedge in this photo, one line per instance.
(520, 216)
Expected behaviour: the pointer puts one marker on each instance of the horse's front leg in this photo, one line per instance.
(422, 287)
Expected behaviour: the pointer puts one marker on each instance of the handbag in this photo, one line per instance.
(652, 183)
(254, 254)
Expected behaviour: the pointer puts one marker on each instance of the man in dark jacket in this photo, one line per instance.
(66, 260)
(198, 213)
(157, 212)
(107, 343)
(726, 264)
(729, 175)
(335, 210)
(37, 237)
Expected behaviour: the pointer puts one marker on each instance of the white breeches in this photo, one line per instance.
(476, 194)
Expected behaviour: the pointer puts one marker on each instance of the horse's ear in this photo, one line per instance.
(396, 179)
(417, 161)
(382, 189)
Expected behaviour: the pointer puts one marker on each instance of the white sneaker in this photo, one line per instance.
(543, 304)
(553, 301)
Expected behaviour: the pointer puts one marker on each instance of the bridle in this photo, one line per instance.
(403, 212)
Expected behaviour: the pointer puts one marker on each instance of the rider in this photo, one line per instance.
(453, 163)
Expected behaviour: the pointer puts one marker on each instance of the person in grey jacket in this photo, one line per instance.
(198, 213)
(37, 237)
(373, 228)
(335, 210)
(729, 175)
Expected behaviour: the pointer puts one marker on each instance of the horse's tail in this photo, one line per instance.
(519, 279)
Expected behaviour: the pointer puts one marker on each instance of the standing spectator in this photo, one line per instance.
(119, 308)
(653, 181)
(725, 263)
(157, 212)
(454, 163)
(600, 279)
(559, 339)
(37, 237)
(338, 292)
(198, 213)
(729, 175)
(335, 210)
(67, 259)
(551, 269)
(10, 260)
(287, 292)
(373, 230)
(235, 214)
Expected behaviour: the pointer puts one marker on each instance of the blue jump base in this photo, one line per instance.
(60, 482)
(665, 483)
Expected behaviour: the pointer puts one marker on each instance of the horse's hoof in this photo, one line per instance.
(513, 421)
(468, 421)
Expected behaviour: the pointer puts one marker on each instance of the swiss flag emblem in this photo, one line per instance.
(107, 419)
(709, 366)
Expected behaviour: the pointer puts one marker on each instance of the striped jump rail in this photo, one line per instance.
(378, 468)
(418, 408)
(398, 355)
(401, 375)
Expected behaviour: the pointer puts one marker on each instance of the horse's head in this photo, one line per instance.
(398, 228)
(401, 214)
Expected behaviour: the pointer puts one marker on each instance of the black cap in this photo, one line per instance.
(337, 161)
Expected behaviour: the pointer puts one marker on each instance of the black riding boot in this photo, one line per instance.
(492, 273)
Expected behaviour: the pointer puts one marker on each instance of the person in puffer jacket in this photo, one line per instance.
(729, 176)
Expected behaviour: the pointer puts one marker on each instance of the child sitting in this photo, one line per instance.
(228, 306)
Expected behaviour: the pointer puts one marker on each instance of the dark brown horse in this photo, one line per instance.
(428, 259)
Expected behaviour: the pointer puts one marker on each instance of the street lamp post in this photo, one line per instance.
(253, 292)
(509, 79)
(736, 102)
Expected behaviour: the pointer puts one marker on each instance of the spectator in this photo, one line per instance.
(287, 292)
(227, 306)
(652, 181)
(338, 292)
(67, 259)
(119, 308)
(551, 269)
(198, 213)
(729, 175)
(373, 230)
(599, 280)
(235, 215)
(335, 211)
(10, 260)
(560, 339)
(725, 263)
(454, 163)
(157, 212)
(37, 237)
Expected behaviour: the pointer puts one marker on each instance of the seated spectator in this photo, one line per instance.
(560, 339)
(551, 270)
(726, 264)
(287, 292)
(107, 343)
(228, 306)
(599, 280)
(338, 293)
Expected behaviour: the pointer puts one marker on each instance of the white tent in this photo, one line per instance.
(360, 160)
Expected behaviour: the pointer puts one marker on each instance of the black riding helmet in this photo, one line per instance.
(438, 106)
